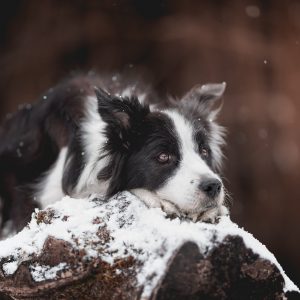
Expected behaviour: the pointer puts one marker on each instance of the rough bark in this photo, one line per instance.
(230, 271)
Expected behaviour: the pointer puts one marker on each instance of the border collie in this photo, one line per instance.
(85, 137)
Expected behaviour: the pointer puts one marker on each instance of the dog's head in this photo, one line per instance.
(174, 152)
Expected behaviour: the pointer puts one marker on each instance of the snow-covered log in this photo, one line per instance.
(120, 249)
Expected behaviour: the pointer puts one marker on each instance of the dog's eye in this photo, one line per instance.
(163, 158)
(204, 152)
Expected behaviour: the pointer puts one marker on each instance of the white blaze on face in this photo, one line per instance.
(182, 188)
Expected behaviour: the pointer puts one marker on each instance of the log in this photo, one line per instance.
(120, 249)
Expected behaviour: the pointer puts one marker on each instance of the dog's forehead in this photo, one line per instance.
(157, 127)
(187, 128)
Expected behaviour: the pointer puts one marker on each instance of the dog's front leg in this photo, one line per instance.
(211, 216)
(149, 198)
(152, 200)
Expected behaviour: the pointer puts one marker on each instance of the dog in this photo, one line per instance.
(83, 137)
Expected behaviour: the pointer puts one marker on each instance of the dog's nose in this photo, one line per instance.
(211, 187)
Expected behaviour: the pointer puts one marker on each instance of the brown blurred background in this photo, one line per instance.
(252, 45)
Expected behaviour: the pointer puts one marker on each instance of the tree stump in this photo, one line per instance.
(120, 249)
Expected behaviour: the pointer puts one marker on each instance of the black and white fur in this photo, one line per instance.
(81, 139)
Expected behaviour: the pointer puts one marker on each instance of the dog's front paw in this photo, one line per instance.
(149, 198)
(169, 208)
(210, 216)
(152, 200)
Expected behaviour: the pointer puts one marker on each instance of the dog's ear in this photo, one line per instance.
(204, 99)
(123, 114)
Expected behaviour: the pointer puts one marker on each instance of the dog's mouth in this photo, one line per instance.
(209, 205)
(195, 209)
(201, 209)
(202, 206)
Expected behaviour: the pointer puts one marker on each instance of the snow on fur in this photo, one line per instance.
(134, 230)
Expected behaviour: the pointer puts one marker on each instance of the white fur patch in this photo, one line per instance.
(93, 141)
(50, 188)
(216, 142)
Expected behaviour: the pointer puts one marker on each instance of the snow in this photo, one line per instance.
(40, 272)
(10, 267)
(146, 234)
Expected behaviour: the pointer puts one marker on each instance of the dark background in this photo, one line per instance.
(252, 45)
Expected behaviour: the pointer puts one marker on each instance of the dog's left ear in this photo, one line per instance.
(205, 98)
(123, 114)
(122, 111)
